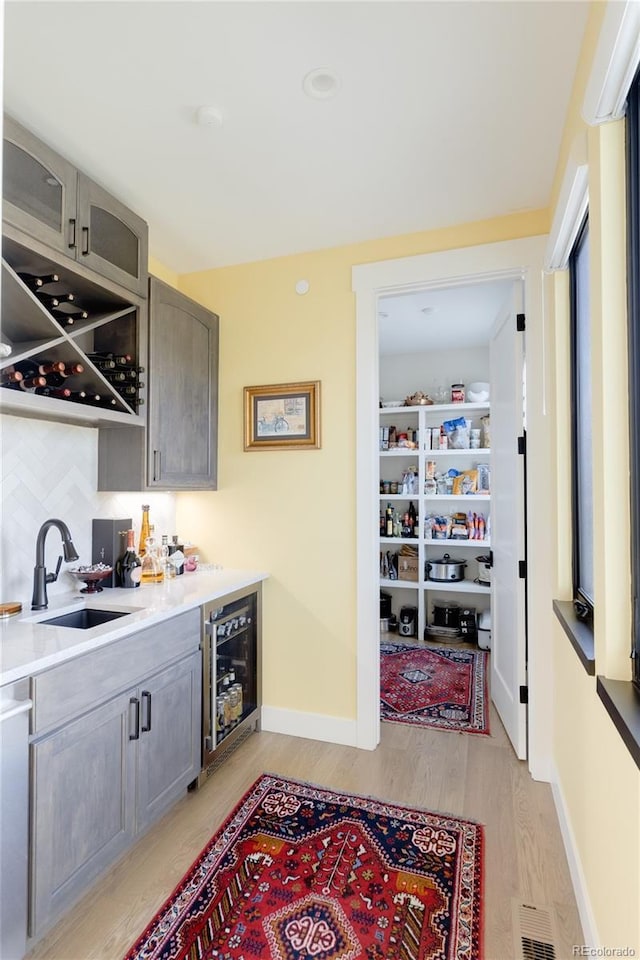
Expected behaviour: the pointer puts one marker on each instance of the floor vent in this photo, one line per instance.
(534, 931)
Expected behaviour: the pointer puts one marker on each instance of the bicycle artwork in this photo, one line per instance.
(282, 415)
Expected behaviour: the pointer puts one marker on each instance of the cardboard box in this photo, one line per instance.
(407, 568)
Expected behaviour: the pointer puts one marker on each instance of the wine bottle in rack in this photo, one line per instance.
(102, 363)
(52, 301)
(119, 359)
(28, 384)
(35, 281)
(62, 393)
(59, 378)
(31, 368)
(9, 376)
(115, 376)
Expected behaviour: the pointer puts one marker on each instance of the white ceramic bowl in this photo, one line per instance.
(478, 392)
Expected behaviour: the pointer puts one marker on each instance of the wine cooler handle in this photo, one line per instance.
(85, 242)
(136, 703)
(156, 464)
(72, 233)
(146, 726)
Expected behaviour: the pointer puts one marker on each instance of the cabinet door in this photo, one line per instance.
(169, 747)
(112, 240)
(183, 392)
(39, 189)
(83, 807)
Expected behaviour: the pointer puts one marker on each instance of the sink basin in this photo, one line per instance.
(84, 619)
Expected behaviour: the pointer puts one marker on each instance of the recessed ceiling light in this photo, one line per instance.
(428, 310)
(321, 83)
(208, 117)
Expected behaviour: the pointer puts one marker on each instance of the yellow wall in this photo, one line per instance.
(597, 778)
(292, 513)
(159, 270)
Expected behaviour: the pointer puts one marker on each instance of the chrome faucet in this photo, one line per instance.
(40, 576)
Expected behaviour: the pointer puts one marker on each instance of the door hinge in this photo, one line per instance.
(522, 569)
(522, 445)
(520, 323)
(524, 694)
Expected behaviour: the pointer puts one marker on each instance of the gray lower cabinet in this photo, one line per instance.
(108, 756)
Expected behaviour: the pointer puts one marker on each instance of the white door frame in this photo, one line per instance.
(513, 259)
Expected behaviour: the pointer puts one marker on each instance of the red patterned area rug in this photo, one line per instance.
(300, 872)
(443, 687)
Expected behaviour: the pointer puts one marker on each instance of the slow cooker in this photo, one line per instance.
(445, 569)
(484, 570)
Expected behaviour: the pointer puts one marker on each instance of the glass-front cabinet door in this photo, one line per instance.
(39, 189)
(112, 240)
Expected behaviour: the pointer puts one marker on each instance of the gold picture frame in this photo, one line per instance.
(282, 416)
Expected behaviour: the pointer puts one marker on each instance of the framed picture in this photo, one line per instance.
(282, 416)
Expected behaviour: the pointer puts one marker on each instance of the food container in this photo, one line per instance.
(457, 393)
(445, 569)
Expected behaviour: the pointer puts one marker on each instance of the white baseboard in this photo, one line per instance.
(312, 726)
(578, 880)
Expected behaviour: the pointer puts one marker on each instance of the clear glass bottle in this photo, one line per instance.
(152, 571)
(165, 559)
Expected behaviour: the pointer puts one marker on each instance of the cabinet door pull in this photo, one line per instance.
(85, 241)
(156, 465)
(72, 233)
(146, 725)
(136, 703)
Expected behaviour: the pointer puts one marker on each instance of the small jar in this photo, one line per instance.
(457, 393)
(393, 486)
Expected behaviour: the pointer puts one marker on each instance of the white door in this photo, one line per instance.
(508, 633)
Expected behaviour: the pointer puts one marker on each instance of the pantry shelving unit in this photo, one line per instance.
(420, 593)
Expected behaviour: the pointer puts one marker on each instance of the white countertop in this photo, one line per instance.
(28, 647)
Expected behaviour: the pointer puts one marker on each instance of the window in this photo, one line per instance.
(633, 284)
(581, 424)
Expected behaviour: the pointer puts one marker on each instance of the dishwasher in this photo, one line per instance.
(14, 820)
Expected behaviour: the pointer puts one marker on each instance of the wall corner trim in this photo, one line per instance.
(311, 726)
(615, 63)
(571, 207)
(578, 878)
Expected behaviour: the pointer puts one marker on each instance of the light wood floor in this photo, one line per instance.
(470, 775)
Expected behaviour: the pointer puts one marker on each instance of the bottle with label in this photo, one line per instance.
(176, 554)
(129, 567)
(167, 566)
(389, 519)
(152, 571)
(413, 520)
(145, 530)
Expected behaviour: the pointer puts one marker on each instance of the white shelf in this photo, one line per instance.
(409, 540)
(480, 544)
(399, 496)
(434, 408)
(400, 452)
(404, 584)
(460, 586)
(468, 452)
(448, 497)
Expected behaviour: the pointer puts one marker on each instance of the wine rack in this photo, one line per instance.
(105, 320)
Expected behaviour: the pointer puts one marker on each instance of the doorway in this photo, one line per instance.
(500, 262)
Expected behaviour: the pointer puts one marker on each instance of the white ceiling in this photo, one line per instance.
(448, 112)
(443, 319)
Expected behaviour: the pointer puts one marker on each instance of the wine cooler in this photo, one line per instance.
(231, 674)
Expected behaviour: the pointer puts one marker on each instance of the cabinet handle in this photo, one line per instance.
(72, 233)
(156, 464)
(136, 735)
(146, 726)
(85, 241)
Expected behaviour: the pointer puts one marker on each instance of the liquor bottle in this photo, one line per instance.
(34, 282)
(176, 552)
(152, 571)
(413, 519)
(389, 524)
(9, 376)
(145, 530)
(129, 567)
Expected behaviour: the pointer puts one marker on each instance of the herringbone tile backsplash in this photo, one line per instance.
(50, 470)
